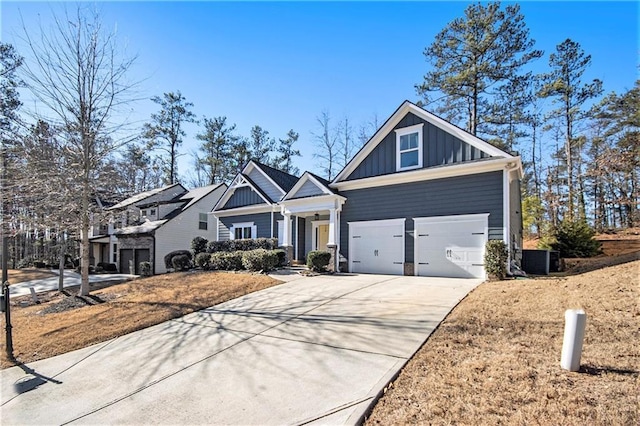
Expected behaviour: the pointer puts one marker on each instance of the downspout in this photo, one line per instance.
(153, 264)
(271, 221)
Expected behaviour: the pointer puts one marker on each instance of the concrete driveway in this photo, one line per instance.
(314, 350)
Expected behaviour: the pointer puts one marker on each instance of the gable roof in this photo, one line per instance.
(196, 194)
(240, 180)
(284, 180)
(409, 107)
(142, 196)
(317, 181)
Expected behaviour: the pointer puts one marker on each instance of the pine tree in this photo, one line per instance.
(472, 56)
(563, 83)
(218, 140)
(285, 154)
(165, 131)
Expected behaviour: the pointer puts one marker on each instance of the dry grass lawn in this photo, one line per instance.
(64, 323)
(20, 275)
(495, 359)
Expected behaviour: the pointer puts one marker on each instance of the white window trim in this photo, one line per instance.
(407, 131)
(252, 225)
(206, 221)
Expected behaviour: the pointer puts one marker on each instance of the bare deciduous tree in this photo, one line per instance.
(76, 72)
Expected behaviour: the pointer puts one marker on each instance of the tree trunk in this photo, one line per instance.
(61, 264)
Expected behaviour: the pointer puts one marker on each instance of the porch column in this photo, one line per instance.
(332, 247)
(333, 218)
(286, 236)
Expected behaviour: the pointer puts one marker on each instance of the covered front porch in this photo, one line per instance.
(321, 223)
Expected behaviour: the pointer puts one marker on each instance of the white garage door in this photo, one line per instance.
(451, 246)
(377, 247)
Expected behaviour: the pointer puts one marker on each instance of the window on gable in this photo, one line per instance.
(152, 212)
(409, 147)
(203, 221)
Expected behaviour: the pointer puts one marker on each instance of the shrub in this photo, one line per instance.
(495, 259)
(199, 245)
(575, 239)
(218, 246)
(39, 264)
(107, 267)
(145, 269)
(181, 262)
(243, 245)
(203, 260)
(226, 261)
(168, 259)
(282, 257)
(318, 260)
(259, 260)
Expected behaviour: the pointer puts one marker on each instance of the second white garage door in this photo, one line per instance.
(377, 247)
(451, 246)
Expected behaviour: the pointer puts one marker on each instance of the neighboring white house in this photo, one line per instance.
(168, 219)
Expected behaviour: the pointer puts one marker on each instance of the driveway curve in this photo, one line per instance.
(314, 350)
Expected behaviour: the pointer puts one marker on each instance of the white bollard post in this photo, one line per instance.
(575, 322)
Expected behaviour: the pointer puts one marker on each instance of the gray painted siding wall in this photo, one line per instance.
(439, 148)
(223, 231)
(481, 193)
(308, 189)
(244, 196)
(263, 183)
(261, 221)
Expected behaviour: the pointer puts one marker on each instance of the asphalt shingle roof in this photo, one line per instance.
(282, 179)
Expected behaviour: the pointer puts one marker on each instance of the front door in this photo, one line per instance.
(322, 237)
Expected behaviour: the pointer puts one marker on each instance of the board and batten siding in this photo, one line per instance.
(178, 232)
(308, 189)
(481, 193)
(439, 148)
(264, 184)
(243, 196)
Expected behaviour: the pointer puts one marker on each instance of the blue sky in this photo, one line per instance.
(279, 65)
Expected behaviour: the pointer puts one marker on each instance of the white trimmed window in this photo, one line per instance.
(246, 230)
(203, 221)
(409, 147)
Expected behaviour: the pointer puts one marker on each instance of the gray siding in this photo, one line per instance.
(439, 148)
(223, 231)
(263, 183)
(261, 220)
(244, 196)
(481, 193)
(308, 189)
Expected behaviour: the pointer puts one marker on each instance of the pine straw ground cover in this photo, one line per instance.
(496, 357)
(65, 322)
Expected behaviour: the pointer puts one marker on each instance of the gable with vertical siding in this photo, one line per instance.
(243, 196)
(308, 189)
(439, 148)
(261, 181)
